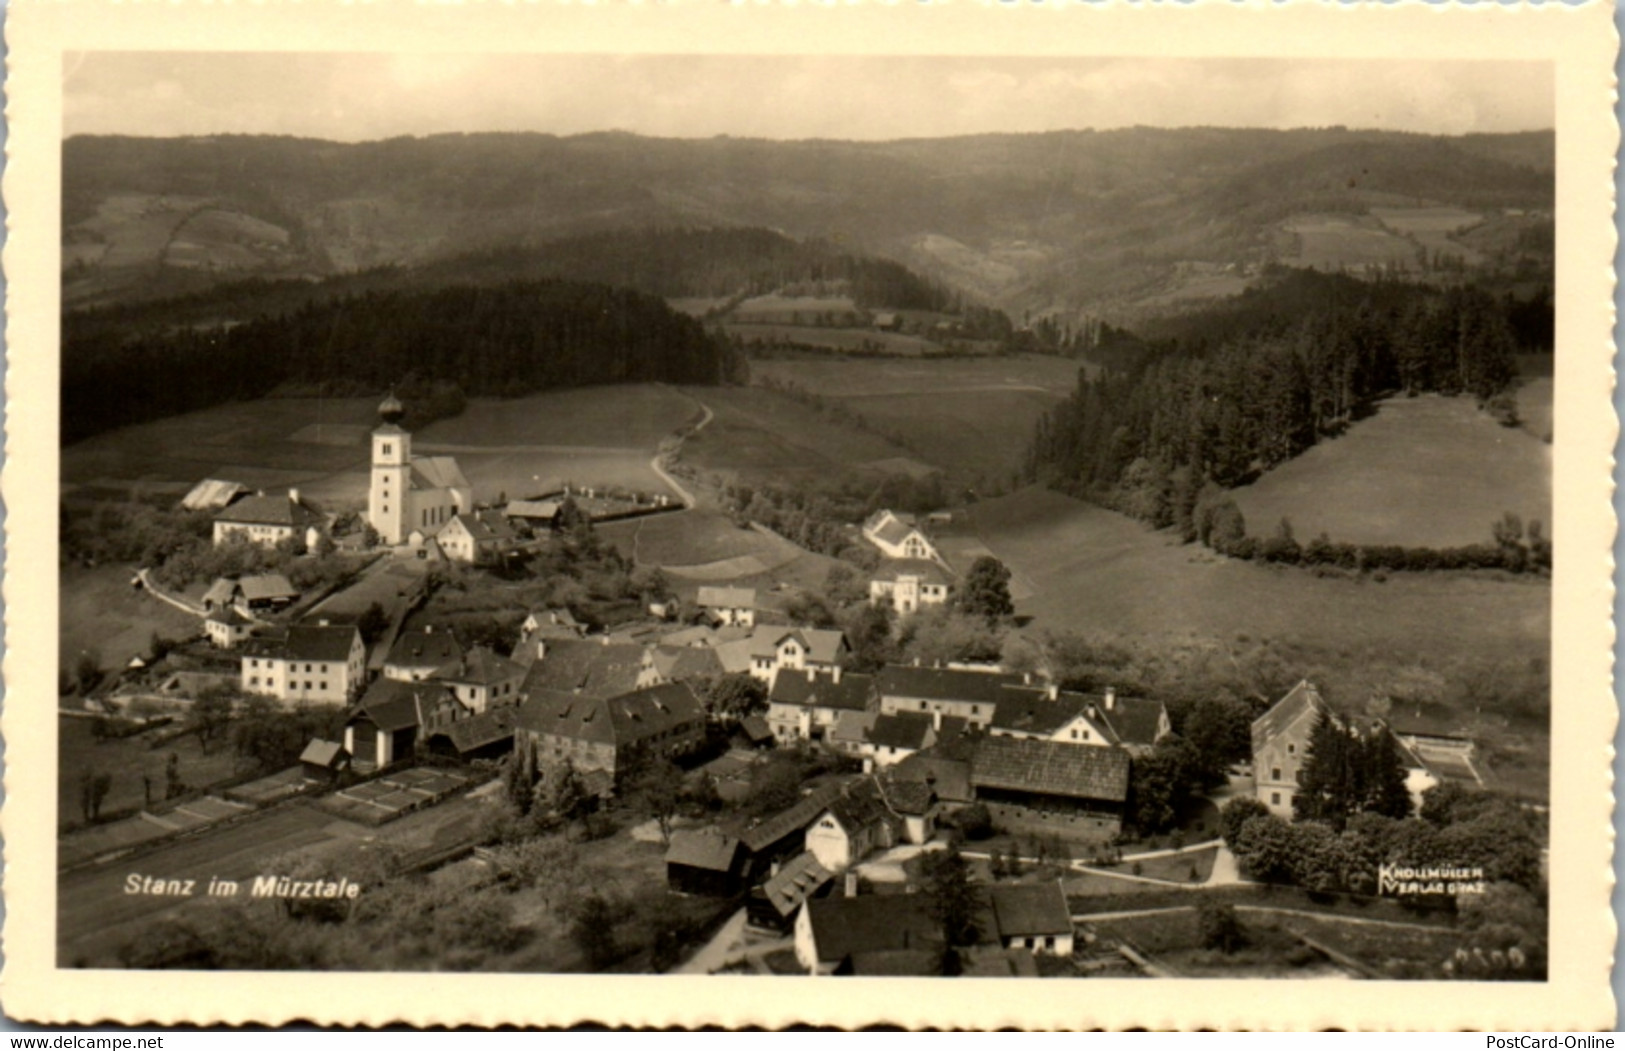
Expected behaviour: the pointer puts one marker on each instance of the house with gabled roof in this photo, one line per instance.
(1281, 745)
(474, 735)
(1133, 723)
(853, 825)
(961, 693)
(678, 664)
(895, 736)
(268, 520)
(897, 537)
(704, 861)
(1137, 723)
(782, 835)
(1033, 916)
(774, 904)
(910, 584)
(805, 706)
(476, 538)
(606, 733)
(226, 627)
(323, 663)
(593, 667)
(1033, 785)
(728, 605)
(212, 494)
(416, 655)
(481, 679)
(385, 725)
(266, 592)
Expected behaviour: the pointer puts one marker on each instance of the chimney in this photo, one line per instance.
(428, 629)
(916, 662)
(1092, 712)
(605, 639)
(293, 495)
(1111, 698)
(851, 887)
(812, 676)
(936, 720)
(836, 673)
(1053, 691)
(1026, 678)
(324, 623)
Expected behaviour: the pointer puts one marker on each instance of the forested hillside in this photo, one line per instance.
(501, 340)
(1249, 385)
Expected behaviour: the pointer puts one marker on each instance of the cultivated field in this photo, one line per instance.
(866, 340)
(1088, 569)
(1327, 242)
(101, 612)
(635, 415)
(761, 436)
(794, 310)
(1535, 395)
(1429, 471)
(126, 760)
(1432, 228)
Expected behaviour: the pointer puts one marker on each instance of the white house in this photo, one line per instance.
(410, 492)
(312, 662)
(908, 584)
(226, 627)
(729, 605)
(1033, 916)
(854, 824)
(416, 655)
(482, 680)
(897, 538)
(269, 520)
(475, 538)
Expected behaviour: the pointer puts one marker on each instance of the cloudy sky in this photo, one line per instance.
(359, 97)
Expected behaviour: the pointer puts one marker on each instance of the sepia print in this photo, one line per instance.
(949, 516)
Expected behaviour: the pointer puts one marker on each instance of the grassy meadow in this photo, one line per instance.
(758, 435)
(1423, 472)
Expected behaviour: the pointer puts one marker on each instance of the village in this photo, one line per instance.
(922, 817)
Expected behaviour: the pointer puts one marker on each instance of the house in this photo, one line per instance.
(212, 494)
(324, 663)
(1446, 749)
(963, 694)
(1133, 723)
(476, 538)
(409, 492)
(221, 594)
(944, 770)
(766, 649)
(830, 930)
(470, 735)
(729, 605)
(898, 538)
(853, 825)
(887, 321)
(1033, 916)
(226, 627)
(705, 862)
(323, 761)
(552, 623)
(909, 584)
(916, 804)
(806, 706)
(595, 667)
(774, 904)
(416, 655)
(678, 664)
(777, 838)
(850, 734)
(535, 514)
(755, 731)
(605, 734)
(385, 725)
(1031, 785)
(897, 735)
(482, 680)
(268, 520)
(1281, 745)
(266, 593)
(1137, 723)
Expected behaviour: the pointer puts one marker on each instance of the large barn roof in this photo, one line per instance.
(1057, 768)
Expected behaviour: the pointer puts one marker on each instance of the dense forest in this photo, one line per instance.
(505, 340)
(1252, 383)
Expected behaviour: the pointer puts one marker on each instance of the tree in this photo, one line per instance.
(172, 777)
(519, 775)
(562, 793)
(1218, 927)
(1386, 793)
(1266, 849)
(93, 789)
(1236, 813)
(735, 695)
(985, 591)
(593, 930)
(372, 623)
(658, 790)
(1324, 785)
(212, 713)
(953, 902)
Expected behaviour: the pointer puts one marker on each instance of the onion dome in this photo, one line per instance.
(390, 410)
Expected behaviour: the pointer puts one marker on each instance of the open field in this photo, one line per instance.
(1429, 471)
(1090, 569)
(868, 340)
(697, 538)
(633, 415)
(100, 611)
(1535, 395)
(804, 310)
(1433, 228)
(126, 760)
(1026, 372)
(1327, 242)
(760, 436)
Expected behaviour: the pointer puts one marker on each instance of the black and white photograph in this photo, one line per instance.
(937, 516)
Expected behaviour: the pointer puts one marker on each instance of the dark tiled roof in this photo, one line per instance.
(319, 642)
(322, 753)
(949, 778)
(844, 927)
(393, 705)
(796, 881)
(1032, 711)
(726, 598)
(424, 649)
(267, 585)
(593, 667)
(790, 820)
(481, 667)
(1301, 698)
(620, 720)
(943, 684)
(221, 591)
(1135, 720)
(910, 731)
(1051, 767)
(270, 510)
(756, 728)
(860, 806)
(821, 690)
(702, 849)
(909, 797)
(686, 662)
(893, 963)
(478, 731)
(1023, 910)
(545, 510)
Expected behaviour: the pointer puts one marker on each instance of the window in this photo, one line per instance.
(922, 706)
(254, 680)
(1275, 799)
(387, 448)
(324, 685)
(1074, 735)
(976, 709)
(1049, 942)
(1275, 773)
(1291, 749)
(307, 684)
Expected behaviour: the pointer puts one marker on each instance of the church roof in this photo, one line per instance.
(437, 472)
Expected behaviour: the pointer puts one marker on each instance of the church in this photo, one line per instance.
(411, 492)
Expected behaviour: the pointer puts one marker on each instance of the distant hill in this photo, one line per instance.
(1080, 221)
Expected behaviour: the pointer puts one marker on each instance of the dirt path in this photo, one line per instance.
(657, 464)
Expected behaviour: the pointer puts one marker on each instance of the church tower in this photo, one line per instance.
(389, 498)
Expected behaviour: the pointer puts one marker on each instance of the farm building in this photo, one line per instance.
(704, 861)
(945, 770)
(1033, 916)
(482, 680)
(969, 695)
(895, 736)
(1051, 786)
(309, 662)
(728, 605)
(416, 655)
(1281, 744)
(1133, 723)
(858, 934)
(595, 667)
(783, 835)
(678, 664)
(384, 727)
(916, 804)
(766, 649)
(480, 735)
(266, 593)
(535, 514)
(850, 734)
(897, 537)
(476, 538)
(909, 584)
(226, 627)
(269, 520)
(323, 761)
(807, 706)
(410, 492)
(595, 733)
(1447, 750)
(212, 494)
(853, 825)
(773, 905)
